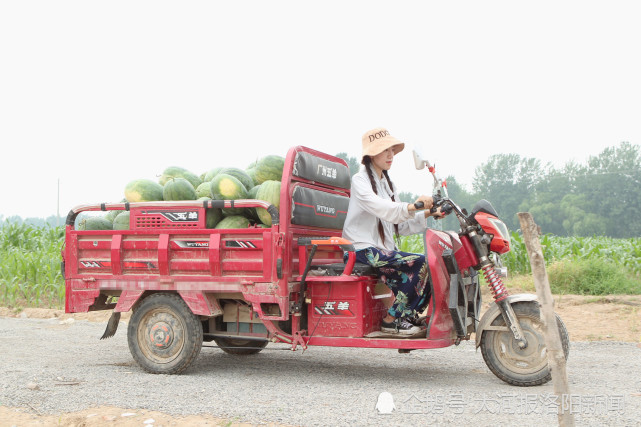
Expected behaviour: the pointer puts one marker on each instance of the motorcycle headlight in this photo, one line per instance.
(501, 228)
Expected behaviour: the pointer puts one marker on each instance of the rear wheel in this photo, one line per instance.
(164, 336)
(516, 366)
(240, 346)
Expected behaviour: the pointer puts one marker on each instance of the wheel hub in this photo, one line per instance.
(531, 349)
(523, 358)
(161, 335)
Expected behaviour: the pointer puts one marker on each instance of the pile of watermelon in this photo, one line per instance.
(260, 180)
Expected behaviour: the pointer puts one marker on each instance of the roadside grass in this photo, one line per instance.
(583, 277)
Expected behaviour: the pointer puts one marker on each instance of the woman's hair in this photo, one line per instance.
(367, 161)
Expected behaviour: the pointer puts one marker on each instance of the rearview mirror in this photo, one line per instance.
(440, 186)
(419, 161)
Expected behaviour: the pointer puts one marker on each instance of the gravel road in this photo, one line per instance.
(54, 367)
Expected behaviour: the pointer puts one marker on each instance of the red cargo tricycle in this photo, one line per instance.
(244, 288)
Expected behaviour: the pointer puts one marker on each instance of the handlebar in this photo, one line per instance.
(445, 206)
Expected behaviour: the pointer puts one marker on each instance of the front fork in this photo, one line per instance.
(500, 294)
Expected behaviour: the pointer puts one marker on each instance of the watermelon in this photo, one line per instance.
(204, 190)
(121, 222)
(111, 215)
(211, 173)
(95, 223)
(213, 217)
(227, 187)
(251, 194)
(268, 191)
(178, 172)
(252, 174)
(233, 221)
(179, 189)
(269, 168)
(143, 190)
(241, 175)
(251, 212)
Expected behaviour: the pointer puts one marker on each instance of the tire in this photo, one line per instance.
(521, 367)
(239, 347)
(164, 336)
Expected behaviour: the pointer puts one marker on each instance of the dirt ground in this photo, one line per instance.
(587, 318)
(107, 415)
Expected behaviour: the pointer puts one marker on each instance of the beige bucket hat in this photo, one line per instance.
(378, 140)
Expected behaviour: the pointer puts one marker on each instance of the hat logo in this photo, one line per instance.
(378, 135)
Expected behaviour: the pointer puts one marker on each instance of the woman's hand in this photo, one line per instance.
(437, 215)
(427, 201)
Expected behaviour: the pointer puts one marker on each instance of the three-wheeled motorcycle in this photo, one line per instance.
(287, 282)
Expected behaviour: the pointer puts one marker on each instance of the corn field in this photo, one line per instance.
(30, 260)
(625, 253)
(578, 265)
(30, 272)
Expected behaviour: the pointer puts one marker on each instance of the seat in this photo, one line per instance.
(336, 269)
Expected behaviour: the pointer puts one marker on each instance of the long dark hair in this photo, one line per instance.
(367, 161)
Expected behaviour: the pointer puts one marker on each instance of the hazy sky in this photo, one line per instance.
(97, 94)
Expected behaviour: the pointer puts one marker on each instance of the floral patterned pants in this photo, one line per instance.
(405, 274)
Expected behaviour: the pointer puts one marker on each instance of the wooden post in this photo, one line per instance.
(556, 357)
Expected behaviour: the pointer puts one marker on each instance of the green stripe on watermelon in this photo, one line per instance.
(251, 212)
(268, 191)
(269, 168)
(234, 221)
(143, 190)
(252, 174)
(227, 187)
(204, 190)
(251, 194)
(95, 223)
(211, 173)
(111, 215)
(241, 175)
(213, 217)
(179, 189)
(178, 172)
(121, 222)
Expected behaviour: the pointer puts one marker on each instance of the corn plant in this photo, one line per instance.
(582, 256)
(30, 265)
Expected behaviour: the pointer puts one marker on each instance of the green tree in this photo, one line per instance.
(463, 199)
(407, 197)
(611, 184)
(544, 202)
(352, 163)
(506, 180)
(601, 197)
(577, 219)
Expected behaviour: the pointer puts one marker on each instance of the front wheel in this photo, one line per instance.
(164, 336)
(516, 366)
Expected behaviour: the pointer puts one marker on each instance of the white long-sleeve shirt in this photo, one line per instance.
(366, 207)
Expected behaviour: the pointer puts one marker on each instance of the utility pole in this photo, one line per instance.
(58, 206)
